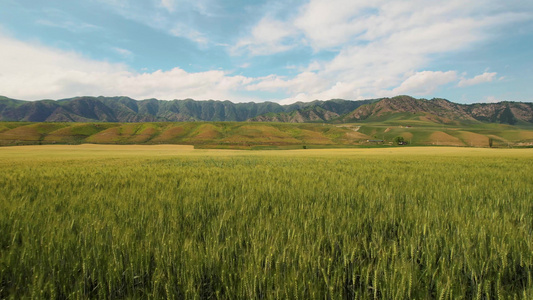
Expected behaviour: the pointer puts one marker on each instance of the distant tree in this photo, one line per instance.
(399, 140)
(490, 142)
(305, 147)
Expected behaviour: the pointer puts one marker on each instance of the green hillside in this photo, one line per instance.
(257, 135)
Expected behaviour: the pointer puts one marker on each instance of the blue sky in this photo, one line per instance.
(283, 51)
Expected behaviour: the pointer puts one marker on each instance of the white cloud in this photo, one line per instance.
(482, 78)
(338, 23)
(32, 72)
(269, 36)
(301, 97)
(181, 30)
(304, 83)
(75, 27)
(331, 23)
(424, 83)
(327, 24)
(382, 46)
(125, 53)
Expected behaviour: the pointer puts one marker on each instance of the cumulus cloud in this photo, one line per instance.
(424, 83)
(378, 44)
(269, 36)
(331, 23)
(32, 71)
(482, 78)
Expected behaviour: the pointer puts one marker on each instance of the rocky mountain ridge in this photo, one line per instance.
(124, 109)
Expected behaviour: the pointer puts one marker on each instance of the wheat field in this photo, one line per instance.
(103, 221)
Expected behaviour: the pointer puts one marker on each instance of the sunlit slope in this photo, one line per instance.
(252, 135)
(207, 134)
(419, 132)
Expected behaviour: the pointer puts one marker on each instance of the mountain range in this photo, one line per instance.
(124, 109)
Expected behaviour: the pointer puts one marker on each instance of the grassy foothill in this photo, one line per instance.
(167, 221)
(257, 135)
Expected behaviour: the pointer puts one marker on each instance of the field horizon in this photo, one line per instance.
(186, 150)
